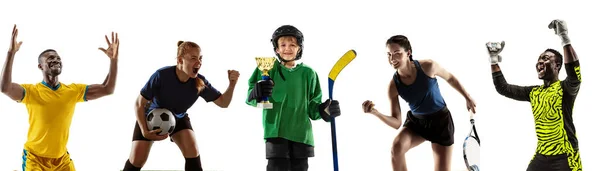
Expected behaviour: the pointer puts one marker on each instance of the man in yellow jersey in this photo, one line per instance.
(51, 105)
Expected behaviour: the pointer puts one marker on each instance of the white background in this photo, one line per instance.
(231, 34)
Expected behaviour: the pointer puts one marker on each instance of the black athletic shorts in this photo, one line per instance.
(551, 163)
(180, 124)
(283, 148)
(437, 127)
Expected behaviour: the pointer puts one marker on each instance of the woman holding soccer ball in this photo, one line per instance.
(175, 88)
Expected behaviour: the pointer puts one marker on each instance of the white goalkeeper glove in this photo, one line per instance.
(494, 49)
(560, 29)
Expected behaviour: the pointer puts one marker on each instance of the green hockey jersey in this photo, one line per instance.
(295, 101)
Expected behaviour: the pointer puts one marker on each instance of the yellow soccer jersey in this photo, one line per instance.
(50, 113)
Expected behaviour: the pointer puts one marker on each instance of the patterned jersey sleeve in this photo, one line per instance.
(573, 80)
(520, 93)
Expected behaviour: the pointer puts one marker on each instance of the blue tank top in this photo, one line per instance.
(423, 96)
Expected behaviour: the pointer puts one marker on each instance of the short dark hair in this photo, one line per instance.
(402, 41)
(557, 56)
(42, 54)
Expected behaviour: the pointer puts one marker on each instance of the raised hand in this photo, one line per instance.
(113, 46)
(560, 29)
(14, 45)
(233, 76)
(494, 49)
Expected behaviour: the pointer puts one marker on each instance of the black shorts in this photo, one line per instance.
(554, 163)
(283, 148)
(437, 127)
(180, 124)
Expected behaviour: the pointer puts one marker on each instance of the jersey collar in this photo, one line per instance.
(52, 88)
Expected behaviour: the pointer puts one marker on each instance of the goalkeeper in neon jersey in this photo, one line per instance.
(552, 103)
(295, 92)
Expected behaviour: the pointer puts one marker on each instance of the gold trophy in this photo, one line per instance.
(265, 64)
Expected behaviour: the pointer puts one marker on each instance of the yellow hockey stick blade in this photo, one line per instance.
(341, 63)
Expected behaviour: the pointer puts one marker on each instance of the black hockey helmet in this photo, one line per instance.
(288, 30)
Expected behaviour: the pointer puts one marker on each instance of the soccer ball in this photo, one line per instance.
(160, 118)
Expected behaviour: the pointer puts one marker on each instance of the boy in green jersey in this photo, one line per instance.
(296, 100)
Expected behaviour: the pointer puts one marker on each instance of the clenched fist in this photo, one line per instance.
(560, 29)
(233, 76)
(369, 107)
(494, 49)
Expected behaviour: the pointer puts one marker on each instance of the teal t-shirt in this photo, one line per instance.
(295, 102)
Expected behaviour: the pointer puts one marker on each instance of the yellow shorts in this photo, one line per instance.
(31, 162)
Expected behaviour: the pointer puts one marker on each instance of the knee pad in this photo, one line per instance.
(193, 164)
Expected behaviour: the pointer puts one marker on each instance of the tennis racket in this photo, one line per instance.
(337, 68)
(471, 148)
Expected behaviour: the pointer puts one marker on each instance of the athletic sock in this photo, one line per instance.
(130, 167)
(193, 164)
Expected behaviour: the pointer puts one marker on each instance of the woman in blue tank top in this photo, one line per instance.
(428, 118)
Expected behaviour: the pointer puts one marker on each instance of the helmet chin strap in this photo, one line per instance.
(284, 60)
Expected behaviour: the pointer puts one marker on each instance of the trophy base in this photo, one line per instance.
(265, 105)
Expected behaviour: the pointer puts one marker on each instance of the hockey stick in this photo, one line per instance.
(337, 68)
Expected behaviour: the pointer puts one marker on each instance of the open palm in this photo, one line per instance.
(113, 46)
(14, 45)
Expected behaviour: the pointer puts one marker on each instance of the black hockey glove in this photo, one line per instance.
(261, 89)
(329, 109)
